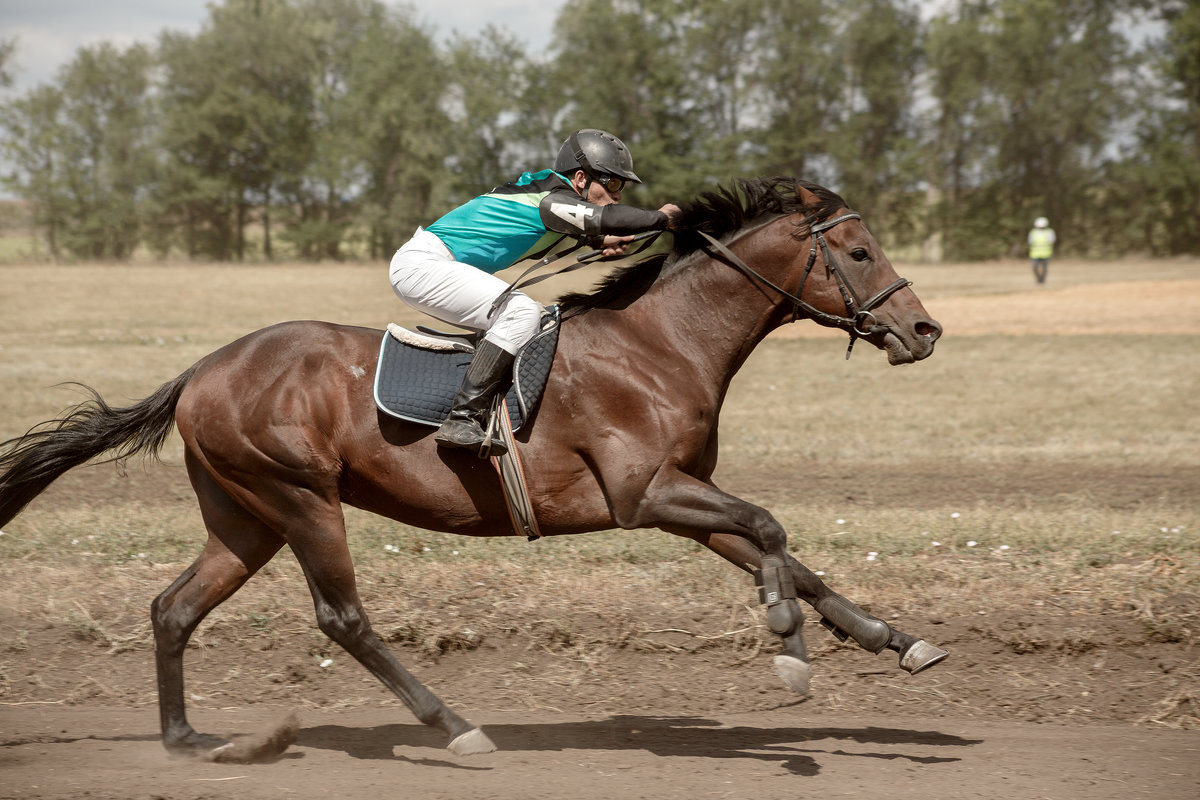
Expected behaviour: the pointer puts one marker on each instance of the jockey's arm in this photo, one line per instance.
(565, 212)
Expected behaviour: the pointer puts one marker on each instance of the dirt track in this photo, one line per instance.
(113, 753)
(1031, 704)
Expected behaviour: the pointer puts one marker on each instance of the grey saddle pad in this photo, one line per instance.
(419, 385)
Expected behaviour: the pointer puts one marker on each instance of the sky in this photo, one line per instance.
(49, 32)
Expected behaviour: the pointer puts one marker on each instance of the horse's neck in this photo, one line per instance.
(702, 314)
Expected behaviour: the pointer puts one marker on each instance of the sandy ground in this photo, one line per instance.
(1135, 308)
(1021, 710)
(1033, 703)
(114, 753)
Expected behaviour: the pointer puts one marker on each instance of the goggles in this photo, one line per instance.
(612, 184)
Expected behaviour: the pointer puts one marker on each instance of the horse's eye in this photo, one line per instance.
(860, 254)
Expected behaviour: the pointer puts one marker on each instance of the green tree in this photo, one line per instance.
(958, 132)
(624, 68)
(1153, 202)
(486, 83)
(7, 48)
(394, 88)
(235, 100)
(872, 143)
(30, 146)
(108, 128)
(319, 197)
(1055, 66)
(333, 128)
(803, 90)
(723, 53)
(80, 152)
(1051, 95)
(540, 125)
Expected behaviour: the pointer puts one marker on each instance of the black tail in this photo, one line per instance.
(30, 463)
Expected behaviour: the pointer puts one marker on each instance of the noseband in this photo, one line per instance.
(858, 313)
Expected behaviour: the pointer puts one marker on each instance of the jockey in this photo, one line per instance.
(446, 270)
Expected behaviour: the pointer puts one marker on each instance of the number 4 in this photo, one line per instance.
(574, 214)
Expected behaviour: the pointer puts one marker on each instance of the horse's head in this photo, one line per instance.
(844, 280)
(838, 276)
(804, 249)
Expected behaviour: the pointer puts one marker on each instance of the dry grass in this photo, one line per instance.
(1093, 400)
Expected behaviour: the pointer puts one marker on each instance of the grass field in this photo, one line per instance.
(1048, 452)
(984, 403)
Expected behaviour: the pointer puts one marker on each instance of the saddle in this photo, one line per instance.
(419, 373)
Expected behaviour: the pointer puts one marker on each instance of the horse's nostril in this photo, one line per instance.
(929, 328)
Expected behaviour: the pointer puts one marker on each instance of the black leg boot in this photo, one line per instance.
(489, 372)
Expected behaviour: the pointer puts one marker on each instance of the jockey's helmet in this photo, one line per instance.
(597, 153)
(1041, 222)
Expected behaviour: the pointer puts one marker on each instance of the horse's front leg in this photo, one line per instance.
(687, 506)
(841, 617)
(777, 590)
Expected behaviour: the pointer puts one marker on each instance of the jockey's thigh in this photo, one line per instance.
(424, 275)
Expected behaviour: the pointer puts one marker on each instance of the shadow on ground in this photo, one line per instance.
(688, 737)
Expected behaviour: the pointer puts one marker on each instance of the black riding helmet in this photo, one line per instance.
(597, 153)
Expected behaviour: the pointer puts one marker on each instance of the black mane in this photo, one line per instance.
(718, 213)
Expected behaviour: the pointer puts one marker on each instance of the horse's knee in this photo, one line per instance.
(516, 322)
(176, 612)
(772, 538)
(169, 621)
(343, 624)
(158, 614)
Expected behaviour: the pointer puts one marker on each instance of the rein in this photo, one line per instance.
(857, 311)
(553, 258)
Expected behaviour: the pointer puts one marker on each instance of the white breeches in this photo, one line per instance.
(425, 275)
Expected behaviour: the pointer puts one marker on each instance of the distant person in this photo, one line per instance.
(446, 269)
(1041, 247)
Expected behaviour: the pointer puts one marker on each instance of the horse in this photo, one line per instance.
(280, 429)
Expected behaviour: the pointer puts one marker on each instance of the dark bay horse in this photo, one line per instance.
(280, 429)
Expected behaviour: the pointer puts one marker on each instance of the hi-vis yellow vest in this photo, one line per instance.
(1041, 242)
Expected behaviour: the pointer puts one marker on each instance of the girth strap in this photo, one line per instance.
(512, 474)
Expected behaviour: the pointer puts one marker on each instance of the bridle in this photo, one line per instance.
(858, 312)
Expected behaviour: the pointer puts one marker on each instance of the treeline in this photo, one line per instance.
(330, 129)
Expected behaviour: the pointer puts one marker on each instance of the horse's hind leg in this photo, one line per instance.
(238, 545)
(325, 558)
(342, 618)
(841, 617)
(315, 530)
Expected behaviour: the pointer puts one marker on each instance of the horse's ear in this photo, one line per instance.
(805, 196)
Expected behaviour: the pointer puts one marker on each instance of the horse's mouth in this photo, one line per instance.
(900, 353)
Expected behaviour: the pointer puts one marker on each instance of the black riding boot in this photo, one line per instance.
(489, 372)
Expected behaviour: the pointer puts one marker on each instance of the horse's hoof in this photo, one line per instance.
(471, 743)
(219, 754)
(262, 747)
(794, 672)
(200, 746)
(920, 656)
